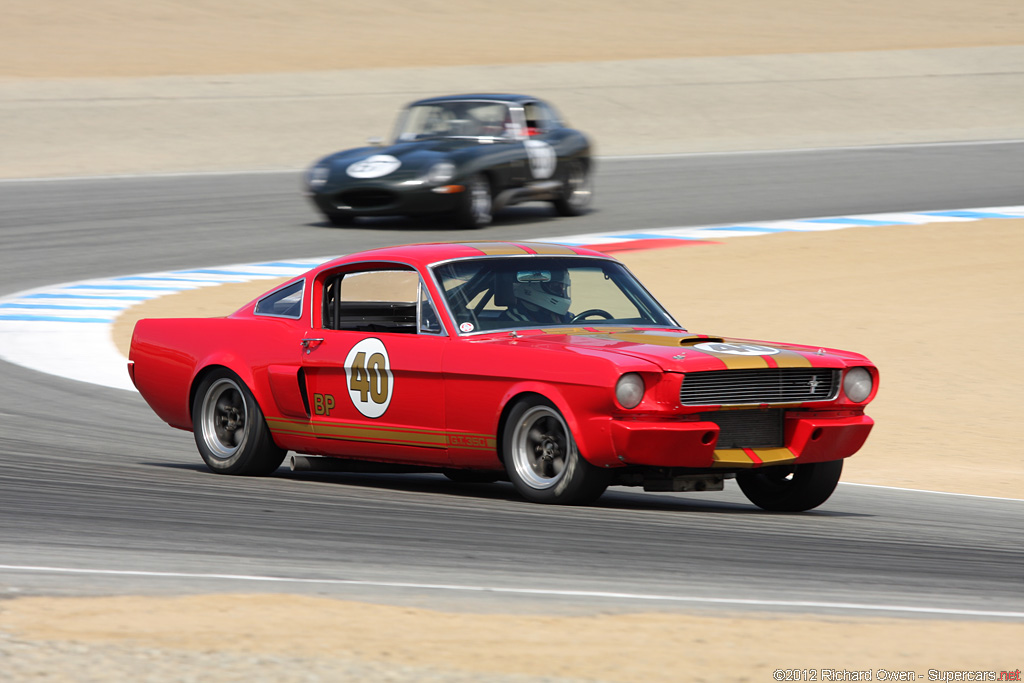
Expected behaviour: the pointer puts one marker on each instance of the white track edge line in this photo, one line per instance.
(853, 606)
(941, 493)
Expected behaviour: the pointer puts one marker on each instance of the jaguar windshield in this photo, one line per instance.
(457, 119)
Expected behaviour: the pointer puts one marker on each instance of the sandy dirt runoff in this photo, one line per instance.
(100, 38)
(936, 307)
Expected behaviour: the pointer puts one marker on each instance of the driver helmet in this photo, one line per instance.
(552, 295)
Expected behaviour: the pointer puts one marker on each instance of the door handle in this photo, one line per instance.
(309, 341)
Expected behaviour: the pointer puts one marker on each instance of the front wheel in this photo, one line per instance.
(542, 460)
(577, 190)
(791, 489)
(229, 428)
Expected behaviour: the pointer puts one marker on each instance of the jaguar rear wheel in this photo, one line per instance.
(577, 190)
(477, 203)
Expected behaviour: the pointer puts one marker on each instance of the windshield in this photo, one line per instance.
(459, 119)
(526, 293)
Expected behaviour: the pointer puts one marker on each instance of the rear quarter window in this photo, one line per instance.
(284, 303)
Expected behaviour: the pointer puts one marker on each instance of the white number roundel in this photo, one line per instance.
(369, 378)
(736, 349)
(374, 167)
(542, 158)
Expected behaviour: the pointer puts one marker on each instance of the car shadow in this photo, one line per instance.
(615, 498)
(527, 215)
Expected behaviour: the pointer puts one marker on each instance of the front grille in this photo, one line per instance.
(748, 428)
(366, 199)
(764, 385)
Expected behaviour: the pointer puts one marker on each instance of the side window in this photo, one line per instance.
(284, 303)
(539, 117)
(377, 301)
(430, 323)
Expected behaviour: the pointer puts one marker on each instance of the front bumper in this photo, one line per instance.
(388, 200)
(809, 437)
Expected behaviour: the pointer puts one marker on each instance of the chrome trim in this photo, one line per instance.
(759, 386)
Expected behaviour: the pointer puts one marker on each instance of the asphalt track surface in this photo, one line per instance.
(97, 496)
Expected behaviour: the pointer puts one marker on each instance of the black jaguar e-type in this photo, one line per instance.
(467, 156)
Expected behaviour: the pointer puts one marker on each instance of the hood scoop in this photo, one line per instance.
(693, 340)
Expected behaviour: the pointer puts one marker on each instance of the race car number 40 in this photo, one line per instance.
(369, 378)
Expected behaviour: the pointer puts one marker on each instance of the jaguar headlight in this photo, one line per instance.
(857, 384)
(441, 172)
(317, 175)
(629, 390)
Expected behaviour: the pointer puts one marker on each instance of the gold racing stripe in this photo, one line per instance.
(381, 434)
(735, 362)
(551, 249)
(731, 457)
(791, 359)
(655, 339)
(774, 456)
(568, 330)
(498, 248)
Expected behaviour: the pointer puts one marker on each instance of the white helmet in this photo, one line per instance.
(545, 289)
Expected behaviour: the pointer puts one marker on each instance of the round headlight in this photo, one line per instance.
(629, 390)
(857, 384)
(441, 172)
(318, 176)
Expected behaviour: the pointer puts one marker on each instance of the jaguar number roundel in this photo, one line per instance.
(368, 376)
(542, 158)
(376, 166)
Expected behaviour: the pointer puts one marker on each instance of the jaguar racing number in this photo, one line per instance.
(375, 166)
(542, 158)
(369, 378)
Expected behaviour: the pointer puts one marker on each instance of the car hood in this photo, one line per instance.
(679, 351)
(414, 156)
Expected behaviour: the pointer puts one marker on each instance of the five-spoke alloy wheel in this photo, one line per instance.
(542, 460)
(229, 428)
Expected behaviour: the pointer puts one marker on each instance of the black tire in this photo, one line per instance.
(542, 460)
(477, 203)
(577, 190)
(341, 220)
(229, 428)
(791, 489)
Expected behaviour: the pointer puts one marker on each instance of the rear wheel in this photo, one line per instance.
(229, 428)
(542, 460)
(477, 203)
(577, 190)
(791, 489)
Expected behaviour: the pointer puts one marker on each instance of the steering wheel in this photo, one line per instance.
(589, 312)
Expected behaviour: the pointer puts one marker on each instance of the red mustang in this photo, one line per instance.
(549, 365)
